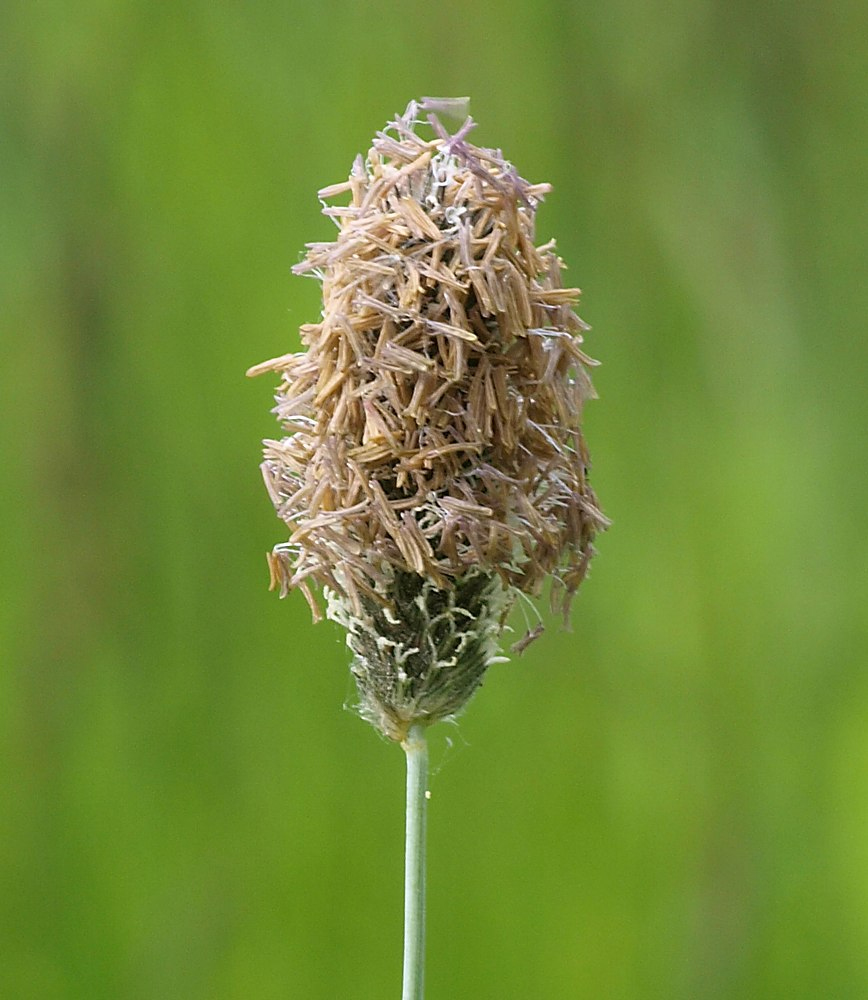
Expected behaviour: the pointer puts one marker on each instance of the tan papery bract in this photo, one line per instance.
(434, 421)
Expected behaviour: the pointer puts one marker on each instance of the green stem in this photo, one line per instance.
(416, 749)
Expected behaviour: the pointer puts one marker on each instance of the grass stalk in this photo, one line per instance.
(416, 748)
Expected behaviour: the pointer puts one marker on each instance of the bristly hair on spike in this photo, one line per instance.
(451, 107)
(433, 448)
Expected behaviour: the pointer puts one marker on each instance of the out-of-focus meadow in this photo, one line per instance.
(669, 801)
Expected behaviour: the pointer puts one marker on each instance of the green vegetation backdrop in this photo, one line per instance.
(670, 801)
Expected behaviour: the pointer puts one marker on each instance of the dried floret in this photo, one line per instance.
(433, 440)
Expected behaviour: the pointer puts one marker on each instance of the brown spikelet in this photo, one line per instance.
(433, 464)
(434, 421)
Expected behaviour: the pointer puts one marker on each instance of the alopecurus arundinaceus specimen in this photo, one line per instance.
(433, 464)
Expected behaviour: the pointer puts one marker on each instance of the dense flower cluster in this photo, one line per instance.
(433, 425)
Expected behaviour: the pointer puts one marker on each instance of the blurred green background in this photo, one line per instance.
(669, 802)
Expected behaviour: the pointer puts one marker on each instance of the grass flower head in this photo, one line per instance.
(433, 463)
